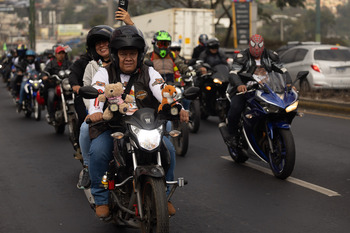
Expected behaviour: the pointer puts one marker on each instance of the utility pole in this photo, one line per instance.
(110, 20)
(318, 22)
(32, 24)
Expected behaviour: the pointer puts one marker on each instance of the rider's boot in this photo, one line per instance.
(229, 139)
(102, 211)
(171, 209)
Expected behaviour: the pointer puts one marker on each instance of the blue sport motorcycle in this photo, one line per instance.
(31, 100)
(264, 128)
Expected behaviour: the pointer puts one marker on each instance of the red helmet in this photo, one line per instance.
(256, 45)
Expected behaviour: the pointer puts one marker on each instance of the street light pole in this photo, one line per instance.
(318, 22)
(32, 24)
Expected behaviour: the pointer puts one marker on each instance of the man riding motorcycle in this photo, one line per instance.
(53, 67)
(212, 55)
(203, 38)
(127, 47)
(255, 60)
(27, 65)
(169, 66)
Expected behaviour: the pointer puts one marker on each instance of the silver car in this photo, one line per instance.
(328, 66)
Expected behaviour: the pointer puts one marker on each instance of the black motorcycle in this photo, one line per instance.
(212, 86)
(33, 102)
(136, 176)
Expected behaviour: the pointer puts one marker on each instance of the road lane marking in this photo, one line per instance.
(326, 115)
(290, 179)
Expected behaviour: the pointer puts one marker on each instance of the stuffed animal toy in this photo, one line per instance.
(114, 95)
(169, 104)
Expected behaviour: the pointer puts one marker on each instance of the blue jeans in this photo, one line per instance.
(22, 92)
(101, 154)
(85, 142)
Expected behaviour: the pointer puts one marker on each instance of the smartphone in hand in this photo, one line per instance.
(123, 4)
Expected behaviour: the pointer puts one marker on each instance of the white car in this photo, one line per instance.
(328, 66)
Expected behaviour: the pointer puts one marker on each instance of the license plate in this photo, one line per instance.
(340, 69)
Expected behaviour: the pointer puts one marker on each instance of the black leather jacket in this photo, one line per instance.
(245, 63)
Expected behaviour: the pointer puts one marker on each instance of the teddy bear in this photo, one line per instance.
(169, 103)
(114, 95)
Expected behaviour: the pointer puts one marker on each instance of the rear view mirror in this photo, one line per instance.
(300, 76)
(88, 92)
(191, 93)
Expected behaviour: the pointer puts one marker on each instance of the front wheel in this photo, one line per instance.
(154, 206)
(37, 110)
(195, 116)
(282, 160)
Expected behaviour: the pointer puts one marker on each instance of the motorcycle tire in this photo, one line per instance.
(237, 155)
(181, 142)
(283, 160)
(195, 116)
(37, 110)
(154, 206)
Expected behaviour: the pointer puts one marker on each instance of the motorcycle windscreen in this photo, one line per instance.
(221, 72)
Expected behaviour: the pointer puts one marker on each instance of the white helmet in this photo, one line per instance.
(175, 46)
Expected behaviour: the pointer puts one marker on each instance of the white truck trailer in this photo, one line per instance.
(184, 25)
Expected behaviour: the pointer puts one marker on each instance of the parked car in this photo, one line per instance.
(292, 44)
(328, 66)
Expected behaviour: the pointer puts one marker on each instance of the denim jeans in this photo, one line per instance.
(85, 142)
(22, 92)
(101, 154)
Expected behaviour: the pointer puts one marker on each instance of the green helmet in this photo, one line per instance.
(161, 42)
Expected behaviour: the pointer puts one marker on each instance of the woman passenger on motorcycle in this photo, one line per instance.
(97, 42)
(255, 60)
(127, 47)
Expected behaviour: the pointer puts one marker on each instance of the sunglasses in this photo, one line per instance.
(176, 49)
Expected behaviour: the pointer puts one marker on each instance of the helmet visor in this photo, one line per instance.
(163, 44)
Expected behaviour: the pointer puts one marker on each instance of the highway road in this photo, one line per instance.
(38, 177)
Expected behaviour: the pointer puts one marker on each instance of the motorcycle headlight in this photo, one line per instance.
(61, 73)
(148, 139)
(216, 80)
(65, 84)
(292, 107)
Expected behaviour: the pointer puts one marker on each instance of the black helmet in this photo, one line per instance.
(203, 38)
(213, 43)
(97, 33)
(127, 37)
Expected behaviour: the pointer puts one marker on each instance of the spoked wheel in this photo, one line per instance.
(282, 160)
(180, 142)
(154, 206)
(37, 110)
(195, 116)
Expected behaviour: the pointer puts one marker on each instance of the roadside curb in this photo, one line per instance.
(323, 105)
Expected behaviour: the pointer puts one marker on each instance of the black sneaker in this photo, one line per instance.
(84, 179)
